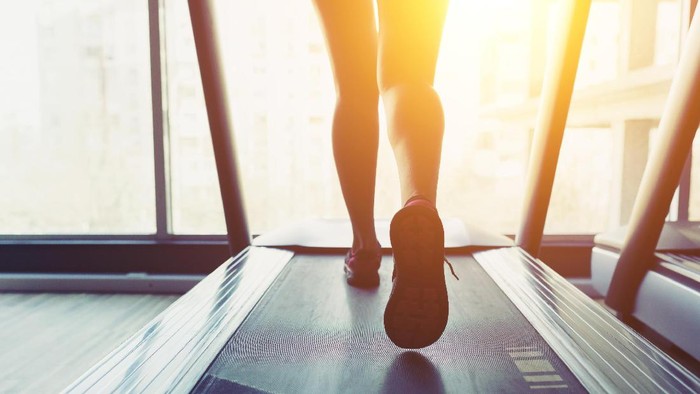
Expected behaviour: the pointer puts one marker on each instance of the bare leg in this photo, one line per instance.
(351, 37)
(409, 40)
(417, 311)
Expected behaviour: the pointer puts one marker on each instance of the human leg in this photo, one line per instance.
(409, 40)
(351, 38)
(409, 37)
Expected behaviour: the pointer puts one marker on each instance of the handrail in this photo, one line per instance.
(220, 123)
(550, 124)
(679, 122)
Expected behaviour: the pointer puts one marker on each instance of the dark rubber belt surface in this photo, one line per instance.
(312, 333)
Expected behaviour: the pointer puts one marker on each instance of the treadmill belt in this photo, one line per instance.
(313, 333)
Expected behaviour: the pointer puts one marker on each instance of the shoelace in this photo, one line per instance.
(451, 268)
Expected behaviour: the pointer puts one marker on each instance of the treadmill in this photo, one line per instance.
(279, 317)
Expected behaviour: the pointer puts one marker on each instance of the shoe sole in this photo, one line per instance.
(417, 311)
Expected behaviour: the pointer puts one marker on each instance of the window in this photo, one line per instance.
(76, 136)
(76, 129)
(491, 64)
(584, 187)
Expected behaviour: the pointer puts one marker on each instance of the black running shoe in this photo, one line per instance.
(362, 268)
(416, 314)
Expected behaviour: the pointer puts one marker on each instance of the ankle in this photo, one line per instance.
(420, 200)
(369, 246)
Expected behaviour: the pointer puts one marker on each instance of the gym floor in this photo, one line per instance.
(49, 340)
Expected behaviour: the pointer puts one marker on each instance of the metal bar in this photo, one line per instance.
(159, 153)
(116, 238)
(684, 190)
(679, 122)
(141, 283)
(220, 124)
(550, 124)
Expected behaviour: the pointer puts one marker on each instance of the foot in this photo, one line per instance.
(416, 314)
(362, 267)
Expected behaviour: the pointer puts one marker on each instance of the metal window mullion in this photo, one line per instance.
(159, 135)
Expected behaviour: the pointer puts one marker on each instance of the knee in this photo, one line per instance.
(416, 104)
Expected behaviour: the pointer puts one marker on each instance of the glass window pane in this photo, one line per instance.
(610, 128)
(76, 137)
(194, 190)
(282, 105)
(667, 43)
(599, 56)
(583, 195)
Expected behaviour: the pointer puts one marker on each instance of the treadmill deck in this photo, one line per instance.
(311, 332)
(280, 322)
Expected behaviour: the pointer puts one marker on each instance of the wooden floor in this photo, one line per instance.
(49, 340)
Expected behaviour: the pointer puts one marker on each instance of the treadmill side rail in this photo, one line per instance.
(175, 349)
(605, 355)
(668, 300)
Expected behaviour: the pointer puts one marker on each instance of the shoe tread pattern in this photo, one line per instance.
(417, 311)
